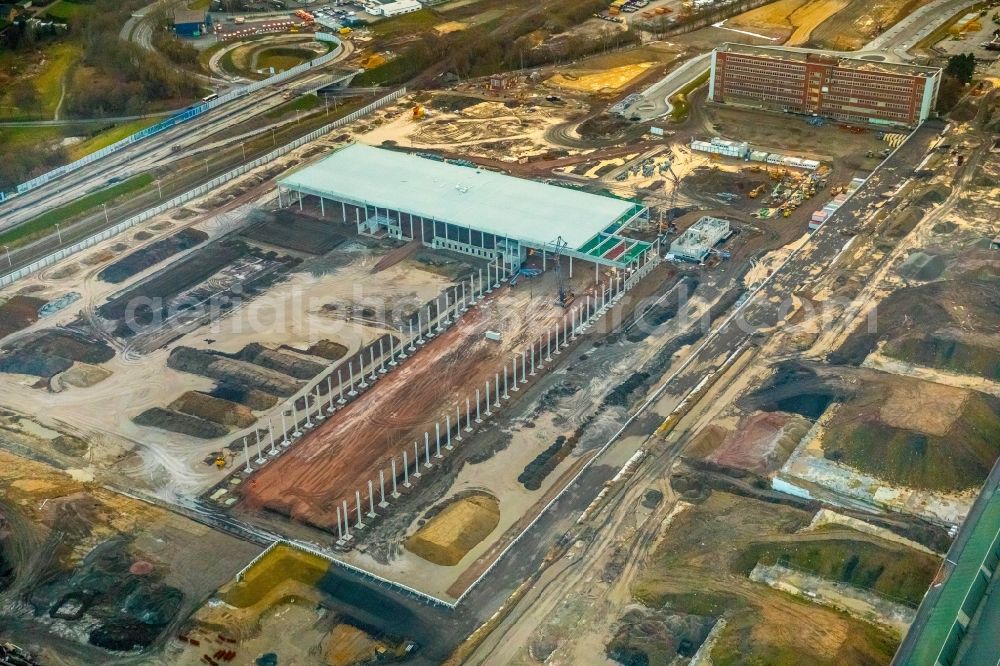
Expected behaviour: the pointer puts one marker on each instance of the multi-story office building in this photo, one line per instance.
(806, 81)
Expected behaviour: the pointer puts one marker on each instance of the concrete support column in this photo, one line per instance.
(322, 207)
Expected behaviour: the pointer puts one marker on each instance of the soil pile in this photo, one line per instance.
(929, 325)
(213, 409)
(645, 636)
(168, 419)
(456, 529)
(52, 351)
(17, 313)
(327, 349)
(302, 234)
(287, 364)
(918, 434)
(233, 372)
(126, 611)
(142, 259)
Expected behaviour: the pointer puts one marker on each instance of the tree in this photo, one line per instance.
(962, 67)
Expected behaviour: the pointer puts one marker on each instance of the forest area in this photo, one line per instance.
(75, 65)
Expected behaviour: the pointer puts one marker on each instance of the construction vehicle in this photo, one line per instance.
(756, 192)
(220, 461)
(418, 112)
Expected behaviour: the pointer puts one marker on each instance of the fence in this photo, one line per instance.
(173, 121)
(101, 236)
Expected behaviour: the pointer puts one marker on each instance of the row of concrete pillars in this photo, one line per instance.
(315, 408)
(478, 406)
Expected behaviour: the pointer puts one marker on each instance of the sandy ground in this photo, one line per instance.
(310, 481)
(604, 81)
(795, 19)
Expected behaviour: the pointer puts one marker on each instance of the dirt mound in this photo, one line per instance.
(256, 400)
(546, 461)
(918, 434)
(922, 266)
(286, 364)
(233, 372)
(163, 285)
(52, 351)
(142, 259)
(166, 419)
(900, 574)
(645, 636)
(17, 313)
(213, 409)
(927, 325)
(761, 442)
(327, 349)
(456, 529)
(798, 389)
(125, 611)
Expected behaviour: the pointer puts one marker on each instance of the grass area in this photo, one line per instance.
(954, 459)
(61, 58)
(281, 564)
(66, 11)
(282, 58)
(109, 136)
(44, 223)
(902, 575)
(406, 23)
(14, 138)
(303, 103)
(679, 102)
(199, 4)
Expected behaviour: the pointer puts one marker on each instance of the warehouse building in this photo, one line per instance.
(467, 209)
(697, 242)
(815, 83)
(190, 23)
(394, 8)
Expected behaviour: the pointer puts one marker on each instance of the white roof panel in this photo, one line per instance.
(495, 203)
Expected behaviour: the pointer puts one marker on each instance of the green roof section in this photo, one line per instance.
(961, 592)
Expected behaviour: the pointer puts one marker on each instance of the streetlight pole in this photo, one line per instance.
(9, 261)
(158, 189)
(59, 234)
(106, 218)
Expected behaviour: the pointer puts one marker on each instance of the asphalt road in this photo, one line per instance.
(155, 152)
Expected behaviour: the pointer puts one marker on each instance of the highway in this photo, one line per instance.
(154, 152)
(898, 40)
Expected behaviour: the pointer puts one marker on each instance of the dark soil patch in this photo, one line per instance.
(298, 233)
(166, 419)
(142, 259)
(255, 400)
(283, 363)
(52, 351)
(546, 461)
(148, 299)
(17, 313)
(232, 372)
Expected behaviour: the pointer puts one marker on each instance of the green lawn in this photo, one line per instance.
(303, 103)
(65, 11)
(43, 224)
(407, 23)
(679, 101)
(109, 136)
(59, 59)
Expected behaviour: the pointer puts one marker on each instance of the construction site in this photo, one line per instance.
(498, 374)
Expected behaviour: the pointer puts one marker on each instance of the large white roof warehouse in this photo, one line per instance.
(466, 208)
